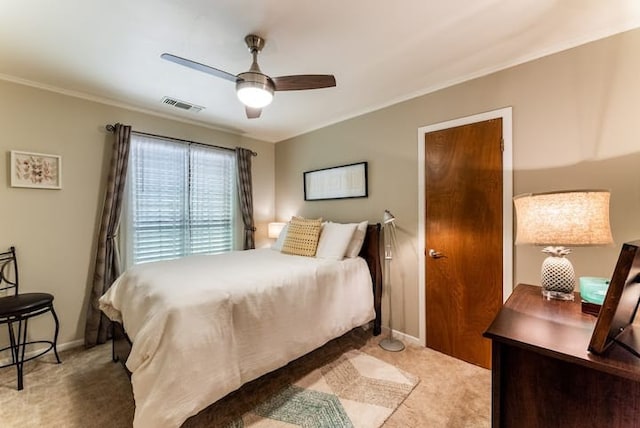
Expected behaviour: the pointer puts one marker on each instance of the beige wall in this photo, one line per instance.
(575, 125)
(54, 230)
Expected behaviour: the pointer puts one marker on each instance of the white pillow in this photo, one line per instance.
(357, 240)
(334, 240)
(283, 234)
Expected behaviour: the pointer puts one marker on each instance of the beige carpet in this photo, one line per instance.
(87, 389)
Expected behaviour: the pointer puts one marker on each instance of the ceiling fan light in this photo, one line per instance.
(254, 89)
(255, 97)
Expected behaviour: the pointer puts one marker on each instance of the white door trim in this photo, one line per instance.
(507, 205)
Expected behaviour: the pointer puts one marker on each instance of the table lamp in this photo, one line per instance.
(274, 229)
(557, 220)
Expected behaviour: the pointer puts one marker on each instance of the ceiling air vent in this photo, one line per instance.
(183, 105)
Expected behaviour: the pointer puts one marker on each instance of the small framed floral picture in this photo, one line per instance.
(36, 170)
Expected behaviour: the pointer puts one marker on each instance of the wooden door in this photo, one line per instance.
(464, 229)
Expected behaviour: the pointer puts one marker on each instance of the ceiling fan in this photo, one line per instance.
(254, 88)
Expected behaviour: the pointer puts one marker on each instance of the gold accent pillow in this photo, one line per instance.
(302, 236)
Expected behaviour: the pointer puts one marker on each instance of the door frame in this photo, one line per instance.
(507, 205)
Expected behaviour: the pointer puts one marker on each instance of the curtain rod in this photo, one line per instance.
(112, 128)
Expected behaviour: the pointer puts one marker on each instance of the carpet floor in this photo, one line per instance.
(87, 389)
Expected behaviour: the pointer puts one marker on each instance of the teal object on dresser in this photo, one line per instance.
(593, 289)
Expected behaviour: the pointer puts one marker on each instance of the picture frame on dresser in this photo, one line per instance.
(615, 322)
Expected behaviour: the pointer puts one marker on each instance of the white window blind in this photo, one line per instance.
(180, 199)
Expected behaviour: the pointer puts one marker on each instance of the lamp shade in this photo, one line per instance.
(274, 229)
(568, 218)
(387, 217)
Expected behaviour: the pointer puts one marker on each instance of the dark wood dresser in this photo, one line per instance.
(543, 375)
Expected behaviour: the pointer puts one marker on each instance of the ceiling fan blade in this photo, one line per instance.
(303, 81)
(200, 67)
(253, 113)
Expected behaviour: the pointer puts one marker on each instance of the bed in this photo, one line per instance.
(186, 345)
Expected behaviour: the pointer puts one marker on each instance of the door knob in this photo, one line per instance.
(435, 254)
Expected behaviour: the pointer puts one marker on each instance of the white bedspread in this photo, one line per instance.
(202, 326)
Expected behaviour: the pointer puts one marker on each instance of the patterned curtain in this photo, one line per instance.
(245, 193)
(107, 266)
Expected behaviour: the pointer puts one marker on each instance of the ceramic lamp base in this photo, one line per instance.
(558, 278)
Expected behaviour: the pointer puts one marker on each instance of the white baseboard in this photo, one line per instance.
(71, 345)
(61, 347)
(402, 336)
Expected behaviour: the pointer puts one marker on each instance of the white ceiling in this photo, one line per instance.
(381, 52)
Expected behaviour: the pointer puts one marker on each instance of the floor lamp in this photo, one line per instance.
(388, 220)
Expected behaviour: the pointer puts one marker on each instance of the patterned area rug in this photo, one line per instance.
(354, 390)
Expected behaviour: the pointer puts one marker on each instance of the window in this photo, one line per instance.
(180, 200)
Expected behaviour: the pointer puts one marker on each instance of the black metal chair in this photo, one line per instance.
(15, 311)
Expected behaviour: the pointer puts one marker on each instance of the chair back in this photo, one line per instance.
(9, 271)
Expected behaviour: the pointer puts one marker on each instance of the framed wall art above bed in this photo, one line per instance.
(338, 182)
